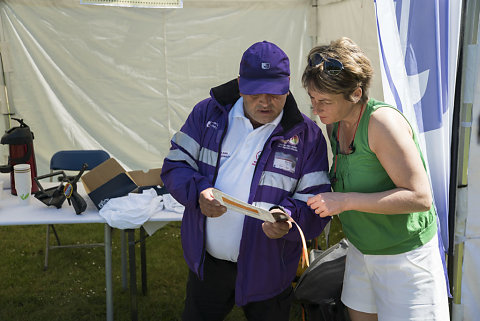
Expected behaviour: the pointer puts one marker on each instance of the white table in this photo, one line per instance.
(37, 213)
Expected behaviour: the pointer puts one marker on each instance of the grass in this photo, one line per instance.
(73, 287)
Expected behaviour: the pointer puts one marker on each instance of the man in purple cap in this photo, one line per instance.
(249, 140)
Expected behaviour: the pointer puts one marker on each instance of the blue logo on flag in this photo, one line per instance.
(424, 41)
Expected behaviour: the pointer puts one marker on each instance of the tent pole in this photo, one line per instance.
(5, 107)
(4, 104)
(454, 154)
(460, 146)
(315, 31)
(314, 39)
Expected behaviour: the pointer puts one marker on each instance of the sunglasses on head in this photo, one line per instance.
(330, 65)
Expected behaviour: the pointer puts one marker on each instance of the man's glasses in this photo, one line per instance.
(330, 65)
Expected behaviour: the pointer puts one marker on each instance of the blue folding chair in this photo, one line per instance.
(72, 160)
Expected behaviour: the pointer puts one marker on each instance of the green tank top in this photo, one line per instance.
(361, 171)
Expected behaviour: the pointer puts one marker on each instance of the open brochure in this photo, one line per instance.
(237, 205)
(242, 207)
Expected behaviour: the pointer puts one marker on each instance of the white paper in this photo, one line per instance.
(242, 207)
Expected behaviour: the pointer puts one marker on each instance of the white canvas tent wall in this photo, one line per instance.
(124, 79)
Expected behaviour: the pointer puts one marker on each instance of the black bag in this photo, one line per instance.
(330, 311)
(320, 287)
(322, 281)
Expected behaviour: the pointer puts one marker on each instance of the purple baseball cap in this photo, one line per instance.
(264, 69)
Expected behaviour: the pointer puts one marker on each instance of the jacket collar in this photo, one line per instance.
(228, 93)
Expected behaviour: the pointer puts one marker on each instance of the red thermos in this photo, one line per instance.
(20, 141)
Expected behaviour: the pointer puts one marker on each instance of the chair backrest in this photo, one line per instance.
(73, 160)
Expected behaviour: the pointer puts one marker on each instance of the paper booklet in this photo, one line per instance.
(242, 207)
(237, 205)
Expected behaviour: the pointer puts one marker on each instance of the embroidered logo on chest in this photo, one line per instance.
(290, 144)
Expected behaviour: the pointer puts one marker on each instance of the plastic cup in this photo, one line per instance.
(23, 182)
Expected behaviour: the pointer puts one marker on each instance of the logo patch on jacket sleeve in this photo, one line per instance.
(285, 162)
(212, 124)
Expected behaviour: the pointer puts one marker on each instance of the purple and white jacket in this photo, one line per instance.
(265, 267)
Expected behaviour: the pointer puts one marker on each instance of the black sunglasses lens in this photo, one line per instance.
(332, 66)
(352, 148)
(315, 60)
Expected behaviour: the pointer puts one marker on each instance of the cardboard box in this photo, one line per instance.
(109, 180)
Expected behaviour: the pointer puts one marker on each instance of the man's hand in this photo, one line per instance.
(278, 229)
(209, 206)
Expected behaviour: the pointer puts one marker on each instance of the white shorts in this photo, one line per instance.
(406, 286)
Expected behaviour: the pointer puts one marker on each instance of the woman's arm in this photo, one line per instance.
(390, 138)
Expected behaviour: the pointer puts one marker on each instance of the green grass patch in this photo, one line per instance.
(73, 287)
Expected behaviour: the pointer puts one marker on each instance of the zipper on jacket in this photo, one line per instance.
(270, 141)
(217, 168)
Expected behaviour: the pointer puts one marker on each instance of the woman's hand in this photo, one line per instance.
(327, 204)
